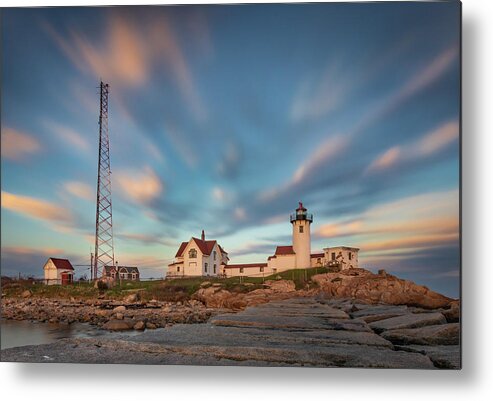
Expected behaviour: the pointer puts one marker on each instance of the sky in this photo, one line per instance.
(223, 118)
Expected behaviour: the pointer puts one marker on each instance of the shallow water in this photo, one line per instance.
(15, 333)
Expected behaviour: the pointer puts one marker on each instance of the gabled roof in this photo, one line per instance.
(62, 264)
(284, 250)
(205, 247)
(129, 269)
(245, 265)
(181, 249)
(108, 269)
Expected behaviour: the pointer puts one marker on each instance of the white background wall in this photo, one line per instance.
(87, 382)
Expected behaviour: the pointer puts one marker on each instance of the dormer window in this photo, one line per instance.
(192, 253)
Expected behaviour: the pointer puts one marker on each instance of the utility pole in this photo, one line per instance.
(92, 266)
(104, 251)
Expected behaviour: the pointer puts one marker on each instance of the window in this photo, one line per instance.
(261, 270)
(241, 269)
(301, 229)
(350, 255)
(214, 268)
(206, 267)
(319, 260)
(178, 269)
(214, 255)
(274, 270)
(192, 253)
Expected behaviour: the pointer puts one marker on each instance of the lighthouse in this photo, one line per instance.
(301, 221)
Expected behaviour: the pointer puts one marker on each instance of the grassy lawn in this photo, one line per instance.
(166, 290)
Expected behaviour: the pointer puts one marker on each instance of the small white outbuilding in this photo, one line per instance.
(58, 271)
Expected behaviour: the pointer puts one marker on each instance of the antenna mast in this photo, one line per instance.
(104, 252)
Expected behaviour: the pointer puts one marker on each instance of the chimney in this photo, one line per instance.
(203, 235)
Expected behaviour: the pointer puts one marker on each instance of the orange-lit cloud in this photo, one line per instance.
(429, 73)
(80, 190)
(412, 242)
(421, 221)
(438, 139)
(18, 145)
(431, 143)
(386, 160)
(142, 186)
(22, 250)
(35, 208)
(128, 55)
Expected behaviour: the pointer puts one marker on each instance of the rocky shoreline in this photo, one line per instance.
(107, 314)
(309, 331)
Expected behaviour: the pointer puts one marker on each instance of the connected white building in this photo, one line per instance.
(199, 257)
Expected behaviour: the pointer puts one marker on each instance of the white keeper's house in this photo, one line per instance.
(199, 257)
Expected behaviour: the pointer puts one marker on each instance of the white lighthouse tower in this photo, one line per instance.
(301, 221)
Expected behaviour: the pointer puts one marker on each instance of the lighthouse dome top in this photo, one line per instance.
(301, 214)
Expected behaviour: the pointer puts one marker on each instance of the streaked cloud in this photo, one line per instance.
(428, 74)
(230, 160)
(388, 159)
(35, 208)
(431, 143)
(145, 239)
(184, 148)
(438, 139)
(17, 145)
(448, 274)
(80, 190)
(326, 152)
(318, 97)
(129, 53)
(68, 135)
(141, 186)
(422, 221)
(410, 242)
(119, 56)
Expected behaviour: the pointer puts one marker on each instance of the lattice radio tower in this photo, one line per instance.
(104, 252)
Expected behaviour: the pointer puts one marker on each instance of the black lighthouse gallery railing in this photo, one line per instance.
(301, 216)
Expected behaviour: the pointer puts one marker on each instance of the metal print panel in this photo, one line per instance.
(261, 185)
